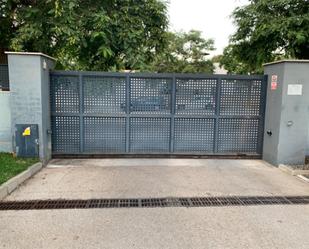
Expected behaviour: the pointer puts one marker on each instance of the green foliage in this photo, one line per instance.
(216, 58)
(86, 34)
(184, 53)
(267, 30)
(11, 166)
(232, 61)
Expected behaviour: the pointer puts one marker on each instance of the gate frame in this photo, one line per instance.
(173, 76)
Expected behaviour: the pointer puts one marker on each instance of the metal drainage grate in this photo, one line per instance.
(155, 202)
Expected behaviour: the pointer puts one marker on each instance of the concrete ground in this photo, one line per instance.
(282, 226)
(130, 178)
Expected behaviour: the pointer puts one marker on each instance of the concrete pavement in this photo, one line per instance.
(254, 227)
(275, 227)
(144, 178)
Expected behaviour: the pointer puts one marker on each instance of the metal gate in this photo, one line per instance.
(4, 78)
(128, 113)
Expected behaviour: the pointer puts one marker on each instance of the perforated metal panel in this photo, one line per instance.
(104, 134)
(194, 135)
(125, 113)
(150, 95)
(66, 134)
(65, 94)
(196, 96)
(240, 97)
(104, 94)
(4, 77)
(238, 135)
(149, 135)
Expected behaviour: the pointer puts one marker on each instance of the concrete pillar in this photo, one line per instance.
(29, 85)
(287, 112)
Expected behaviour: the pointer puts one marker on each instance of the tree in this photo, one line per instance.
(86, 34)
(232, 62)
(184, 53)
(267, 30)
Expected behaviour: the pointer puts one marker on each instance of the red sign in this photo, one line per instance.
(274, 82)
(274, 85)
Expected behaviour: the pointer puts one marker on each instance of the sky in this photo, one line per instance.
(209, 16)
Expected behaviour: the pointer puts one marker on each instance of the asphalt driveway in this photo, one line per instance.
(277, 226)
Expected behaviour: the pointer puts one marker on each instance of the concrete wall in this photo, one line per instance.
(287, 116)
(29, 83)
(307, 149)
(294, 109)
(272, 115)
(5, 122)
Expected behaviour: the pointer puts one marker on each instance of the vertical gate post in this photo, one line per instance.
(173, 111)
(217, 115)
(287, 112)
(81, 113)
(29, 84)
(262, 114)
(128, 104)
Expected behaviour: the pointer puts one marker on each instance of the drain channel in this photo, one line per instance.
(155, 202)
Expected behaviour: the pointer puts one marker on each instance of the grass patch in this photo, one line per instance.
(11, 166)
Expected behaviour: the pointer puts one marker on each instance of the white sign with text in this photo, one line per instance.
(295, 89)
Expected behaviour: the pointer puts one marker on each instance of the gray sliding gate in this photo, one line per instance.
(119, 113)
(4, 78)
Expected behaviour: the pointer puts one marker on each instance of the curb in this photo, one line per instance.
(12, 184)
(303, 178)
(293, 172)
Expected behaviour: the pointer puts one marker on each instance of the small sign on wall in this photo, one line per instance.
(274, 85)
(274, 82)
(274, 78)
(295, 89)
(27, 132)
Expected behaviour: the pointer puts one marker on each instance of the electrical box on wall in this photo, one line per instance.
(27, 140)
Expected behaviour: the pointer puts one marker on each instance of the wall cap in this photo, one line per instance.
(286, 61)
(30, 53)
